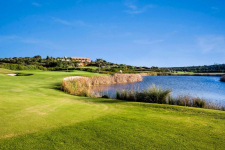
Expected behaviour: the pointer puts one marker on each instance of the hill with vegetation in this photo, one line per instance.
(67, 63)
(99, 65)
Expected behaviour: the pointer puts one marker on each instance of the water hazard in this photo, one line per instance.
(207, 87)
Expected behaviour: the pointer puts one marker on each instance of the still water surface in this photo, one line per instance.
(207, 87)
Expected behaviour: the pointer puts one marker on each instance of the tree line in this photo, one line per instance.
(216, 68)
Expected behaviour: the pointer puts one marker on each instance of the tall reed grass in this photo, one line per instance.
(115, 79)
(149, 74)
(82, 86)
(79, 87)
(159, 95)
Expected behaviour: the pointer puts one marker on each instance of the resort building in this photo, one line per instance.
(82, 59)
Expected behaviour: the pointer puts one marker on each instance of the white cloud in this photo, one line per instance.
(211, 43)
(36, 4)
(147, 42)
(133, 9)
(70, 23)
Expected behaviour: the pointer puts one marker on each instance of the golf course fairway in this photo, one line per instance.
(35, 114)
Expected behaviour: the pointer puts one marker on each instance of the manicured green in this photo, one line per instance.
(35, 114)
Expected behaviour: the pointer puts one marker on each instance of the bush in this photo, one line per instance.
(22, 67)
(42, 68)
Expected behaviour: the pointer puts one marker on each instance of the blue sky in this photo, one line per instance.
(160, 33)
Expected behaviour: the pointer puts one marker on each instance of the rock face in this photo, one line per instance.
(222, 78)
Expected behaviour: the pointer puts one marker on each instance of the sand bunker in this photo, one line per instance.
(12, 74)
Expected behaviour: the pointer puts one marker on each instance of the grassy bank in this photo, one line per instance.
(34, 114)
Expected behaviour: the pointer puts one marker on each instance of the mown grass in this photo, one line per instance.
(34, 114)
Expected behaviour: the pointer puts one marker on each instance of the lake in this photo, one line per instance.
(207, 87)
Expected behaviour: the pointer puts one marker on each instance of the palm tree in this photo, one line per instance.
(99, 62)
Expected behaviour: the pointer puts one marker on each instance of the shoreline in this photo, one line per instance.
(171, 74)
(216, 75)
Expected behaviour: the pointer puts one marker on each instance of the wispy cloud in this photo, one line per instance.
(62, 21)
(36, 4)
(32, 41)
(215, 9)
(70, 23)
(16, 38)
(133, 9)
(8, 38)
(211, 43)
(147, 42)
(131, 6)
(79, 1)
